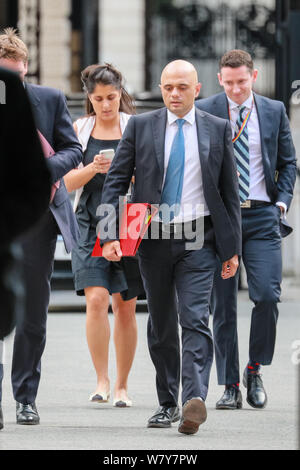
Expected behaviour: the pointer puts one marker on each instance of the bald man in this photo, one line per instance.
(183, 162)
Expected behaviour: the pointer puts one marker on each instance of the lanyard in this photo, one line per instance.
(244, 124)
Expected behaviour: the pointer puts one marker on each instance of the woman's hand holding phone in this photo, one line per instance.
(101, 163)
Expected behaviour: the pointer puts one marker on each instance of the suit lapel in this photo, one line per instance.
(265, 127)
(159, 121)
(203, 138)
(39, 112)
(221, 107)
(34, 99)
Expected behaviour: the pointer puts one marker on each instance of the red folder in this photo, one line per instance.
(134, 223)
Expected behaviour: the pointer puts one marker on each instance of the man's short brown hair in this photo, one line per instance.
(12, 47)
(237, 58)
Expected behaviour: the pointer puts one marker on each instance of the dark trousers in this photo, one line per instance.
(262, 259)
(178, 281)
(11, 295)
(30, 335)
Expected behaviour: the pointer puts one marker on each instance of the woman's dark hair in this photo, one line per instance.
(105, 75)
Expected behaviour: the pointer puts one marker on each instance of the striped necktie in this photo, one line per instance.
(172, 190)
(241, 152)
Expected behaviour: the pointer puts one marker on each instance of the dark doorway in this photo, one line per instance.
(84, 43)
(8, 13)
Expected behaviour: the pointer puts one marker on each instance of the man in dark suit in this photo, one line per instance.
(24, 193)
(54, 123)
(183, 161)
(266, 165)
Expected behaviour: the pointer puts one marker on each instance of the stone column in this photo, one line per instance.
(55, 40)
(28, 25)
(122, 32)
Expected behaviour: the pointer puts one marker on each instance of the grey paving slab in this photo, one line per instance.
(69, 421)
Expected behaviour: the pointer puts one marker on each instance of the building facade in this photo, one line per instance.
(141, 36)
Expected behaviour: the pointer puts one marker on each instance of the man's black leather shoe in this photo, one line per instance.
(231, 399)
(256, 394)
(164, 417)
(1, 418)
(27, 414)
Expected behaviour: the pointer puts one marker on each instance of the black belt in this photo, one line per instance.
(252, 204)
(180, 226)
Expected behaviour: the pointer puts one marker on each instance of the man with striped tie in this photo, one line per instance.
(266, 163)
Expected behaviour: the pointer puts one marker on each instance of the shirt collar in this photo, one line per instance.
(189, 117)
(247, 103)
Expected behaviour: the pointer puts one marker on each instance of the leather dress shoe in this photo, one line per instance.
(231, 399)
(164, 417)
(256, 394)
(1, 418)
(193, 414)
(27, 414)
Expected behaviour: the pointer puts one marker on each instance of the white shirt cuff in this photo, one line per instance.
(282, 204)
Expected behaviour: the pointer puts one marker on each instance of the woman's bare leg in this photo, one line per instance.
(98, 333)
(125, 338)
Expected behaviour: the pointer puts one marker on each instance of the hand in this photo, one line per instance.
(229, 267)
(101, 164)
(112, 251)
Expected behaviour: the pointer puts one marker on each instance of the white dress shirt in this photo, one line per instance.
(258, 190)
(193, 204)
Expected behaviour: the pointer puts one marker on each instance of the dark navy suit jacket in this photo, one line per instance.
(142, 149)
(25, 179)
(278, 152)
(24, 190)
(54, 122)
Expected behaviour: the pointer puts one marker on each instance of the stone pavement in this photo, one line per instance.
(69, 421)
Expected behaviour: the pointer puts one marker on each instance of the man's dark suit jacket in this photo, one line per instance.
(53, 121)
(25, 179)
(278, 152)
(142, 149)
(24, 189)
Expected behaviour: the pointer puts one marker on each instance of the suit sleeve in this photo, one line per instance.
(117, 183)
(229, 188)
(68, 149)
(286, 161)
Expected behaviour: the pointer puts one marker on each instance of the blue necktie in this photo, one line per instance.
(172, 189)
(241, 151)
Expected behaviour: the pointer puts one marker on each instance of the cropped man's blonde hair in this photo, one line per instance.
(12, 47)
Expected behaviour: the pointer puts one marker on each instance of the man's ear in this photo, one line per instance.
(220, 79)
(254, 75)
(197, 90)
